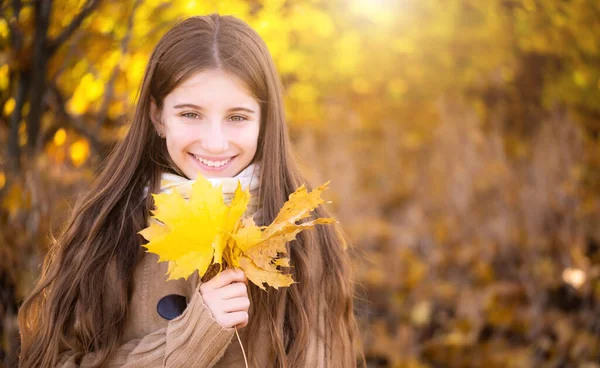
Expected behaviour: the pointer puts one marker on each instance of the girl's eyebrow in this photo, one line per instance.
(188, 105)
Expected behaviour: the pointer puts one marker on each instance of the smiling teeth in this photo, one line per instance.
(212, 163)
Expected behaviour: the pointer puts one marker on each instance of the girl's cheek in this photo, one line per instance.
(247, 134)
(184, 135)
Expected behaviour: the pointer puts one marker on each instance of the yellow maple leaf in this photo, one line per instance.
(270, 276)
(298, 207)
(192, 234)
(263, 249)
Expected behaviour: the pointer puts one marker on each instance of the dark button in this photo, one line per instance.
(171, 306)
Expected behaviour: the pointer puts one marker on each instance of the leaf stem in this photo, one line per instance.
(241, 346)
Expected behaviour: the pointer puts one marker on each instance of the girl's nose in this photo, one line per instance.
(215, 140)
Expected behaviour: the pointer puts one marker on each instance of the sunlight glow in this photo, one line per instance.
(574, 276)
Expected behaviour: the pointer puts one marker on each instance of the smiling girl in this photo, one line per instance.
(210, 103)
(226, 118)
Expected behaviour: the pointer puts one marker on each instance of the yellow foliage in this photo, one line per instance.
(108, 64)
(88, 91)
(3, 29)
(115, 109)
(26, 16)
(105, 24)
(421, 313)
(60, 137)
(191, 235)
(9, 106)
(91, 87)
(25, 110)
(79, 152)
(136, 66)
(4, 70)
(77, 105)
(22, 133)
(16, 199)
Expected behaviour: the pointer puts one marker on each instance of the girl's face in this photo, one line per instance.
(211, 124)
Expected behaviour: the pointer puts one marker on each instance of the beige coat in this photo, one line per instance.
(194, 339)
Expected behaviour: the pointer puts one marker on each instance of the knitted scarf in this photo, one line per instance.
(249, 178)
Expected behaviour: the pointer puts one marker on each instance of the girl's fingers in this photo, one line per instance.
(237, 319)
(237, 304)
(226, 295)
(224, 278)
(235, 290)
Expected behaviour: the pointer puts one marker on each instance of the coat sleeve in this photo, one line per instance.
(194, 339)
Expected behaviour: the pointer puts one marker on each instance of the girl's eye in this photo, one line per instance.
(238, 118)
(187, 115)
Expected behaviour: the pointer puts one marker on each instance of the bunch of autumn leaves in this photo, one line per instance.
(196, 233)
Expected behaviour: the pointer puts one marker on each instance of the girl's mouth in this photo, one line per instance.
(212, 165)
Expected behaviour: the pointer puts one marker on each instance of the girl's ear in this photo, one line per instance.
(155, 117)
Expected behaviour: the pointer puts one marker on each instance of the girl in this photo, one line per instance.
(210, 103)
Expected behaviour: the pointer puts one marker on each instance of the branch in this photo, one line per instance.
(15, 33)
(76, 122)
(72, 27)
(14, 148)
(39, 64)
(16, 4)
(113, 76)
(71, 52)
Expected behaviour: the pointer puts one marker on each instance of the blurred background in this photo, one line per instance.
(461, 138)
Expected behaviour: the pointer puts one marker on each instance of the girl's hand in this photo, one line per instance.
(226, 295)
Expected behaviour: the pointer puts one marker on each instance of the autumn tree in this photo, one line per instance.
(461, 138)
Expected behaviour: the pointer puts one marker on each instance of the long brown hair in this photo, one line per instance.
(65, 311)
